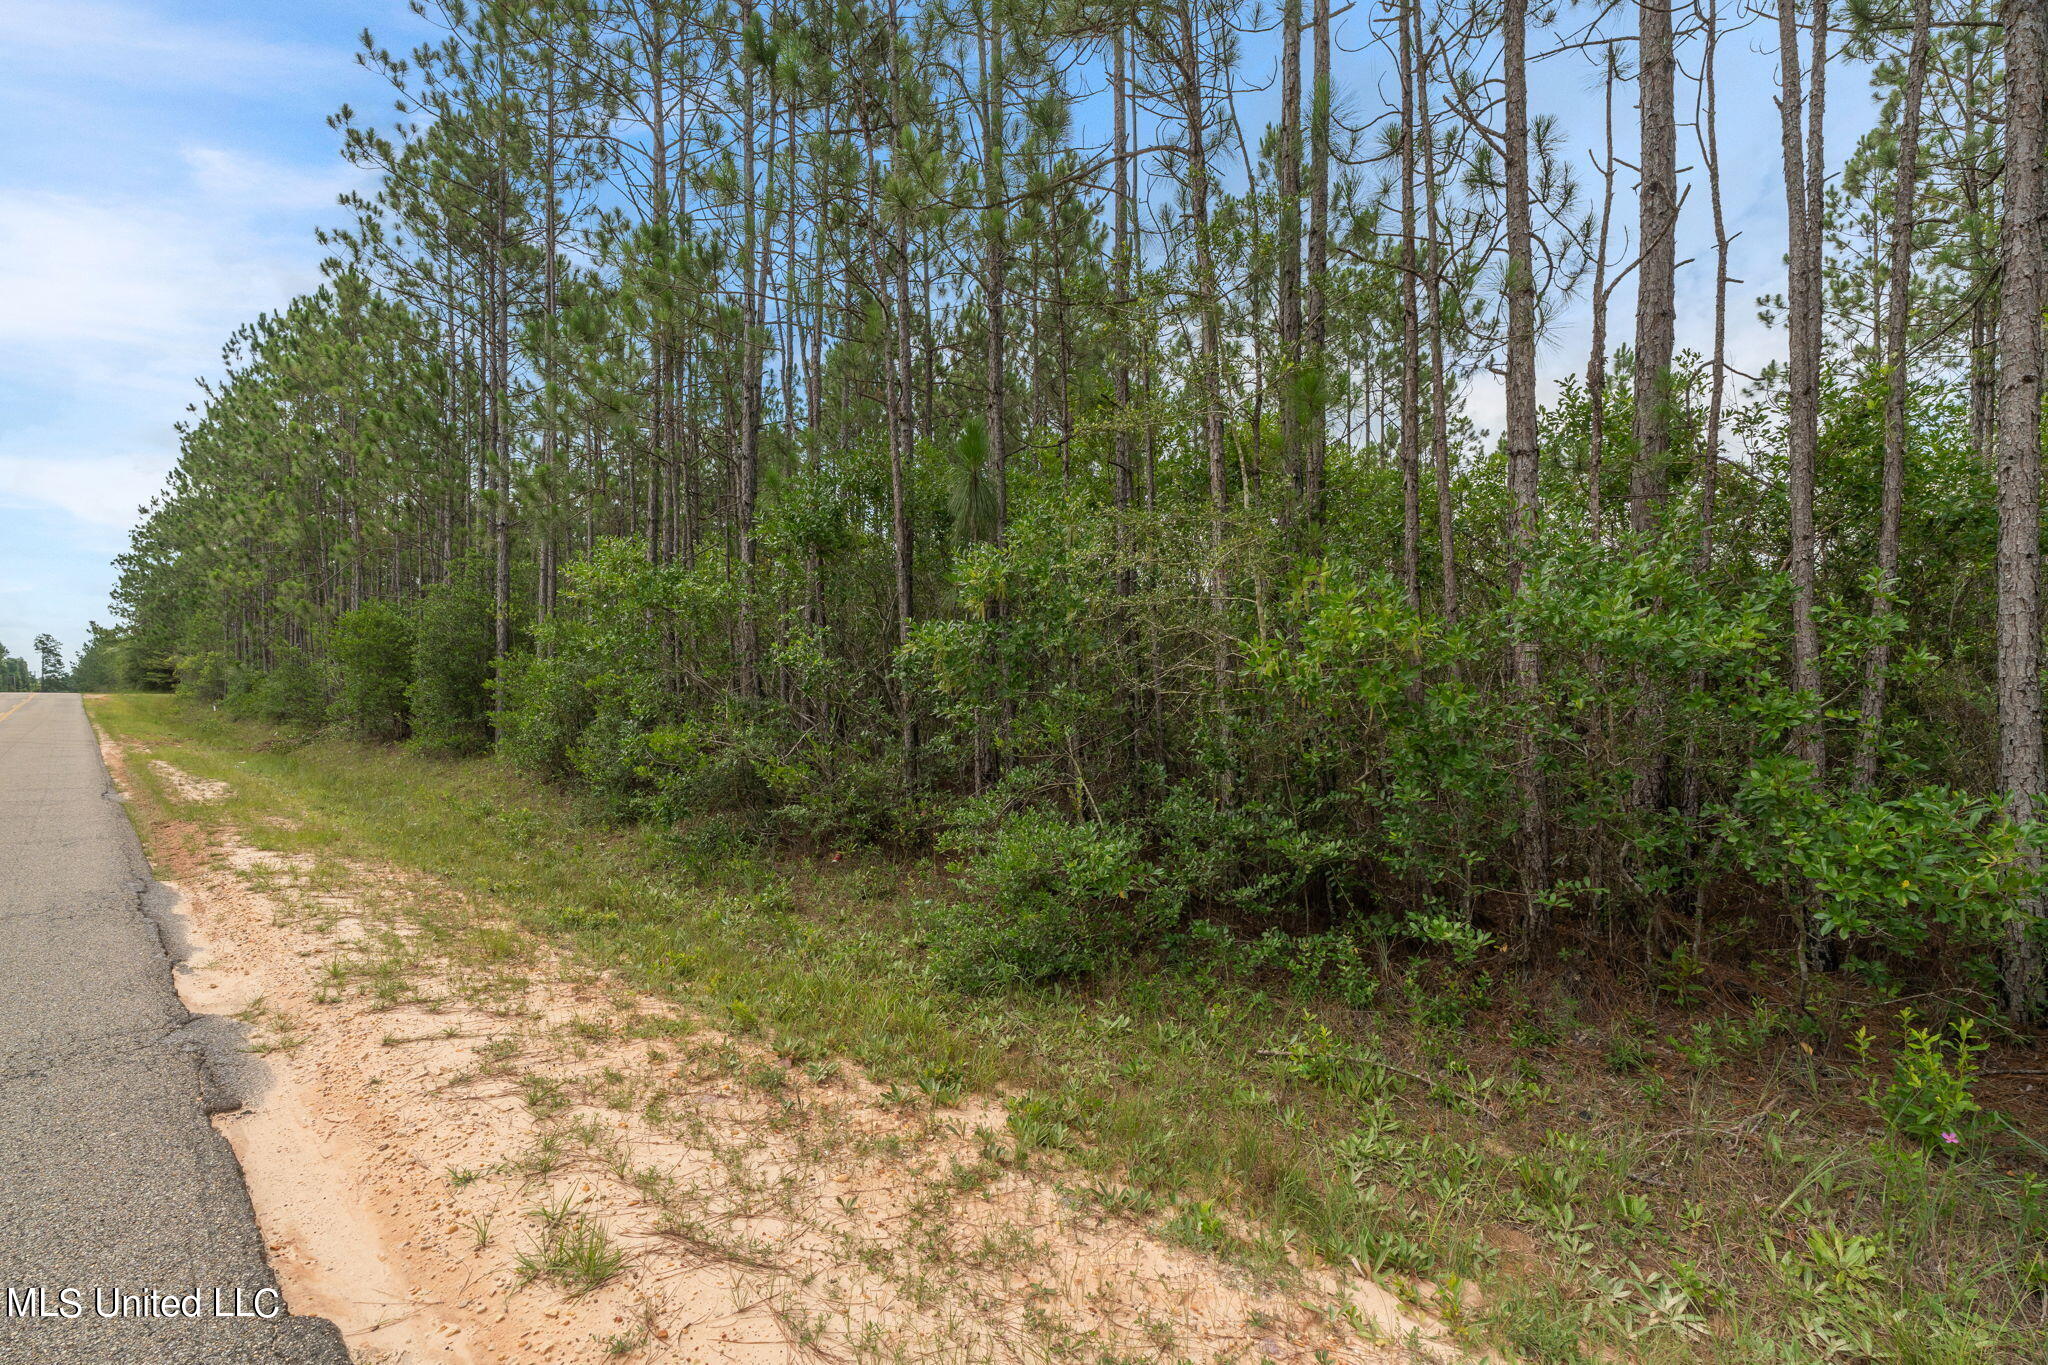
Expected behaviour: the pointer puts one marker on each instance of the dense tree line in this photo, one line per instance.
(98, 666)
(15, 674)
(881, 422)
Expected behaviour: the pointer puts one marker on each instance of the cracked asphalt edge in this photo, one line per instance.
(231, 1077)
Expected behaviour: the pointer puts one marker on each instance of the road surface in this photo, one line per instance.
(113, 1184)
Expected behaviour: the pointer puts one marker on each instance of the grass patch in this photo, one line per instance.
(1619, 1169)
(572, 1252)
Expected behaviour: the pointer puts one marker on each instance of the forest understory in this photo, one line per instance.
(1608, 1161)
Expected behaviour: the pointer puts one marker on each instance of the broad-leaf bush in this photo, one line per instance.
(1052, 899)
(1894, 870)
(372, 649)
(450, 696)
(290, 692)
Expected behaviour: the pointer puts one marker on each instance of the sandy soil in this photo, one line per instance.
(472, 1150)
(188, 787)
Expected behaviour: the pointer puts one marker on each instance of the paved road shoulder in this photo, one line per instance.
(113, 1184)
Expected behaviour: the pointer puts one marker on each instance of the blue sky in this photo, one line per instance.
(167, 160)
(165, 163)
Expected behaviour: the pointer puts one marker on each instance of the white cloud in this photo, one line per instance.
(226, 177)
(106, 293)
(110, 307)
(128, 45)
(139, 227)
(103, 491)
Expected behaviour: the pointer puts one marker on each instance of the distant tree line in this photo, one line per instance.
(98, 667)
(879, 423)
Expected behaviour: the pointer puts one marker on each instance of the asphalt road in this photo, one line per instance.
(112, 1181)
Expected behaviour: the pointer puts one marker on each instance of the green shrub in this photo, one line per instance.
(1626, 1055)
(451, 667)
(1054, 899)
(1330, 964)
(372, 648)
(290, 693)
(203, 676)
(852, 801)
(1890, 870)
(544, 703)
(717, 762)
(238, 690)
(611, 760)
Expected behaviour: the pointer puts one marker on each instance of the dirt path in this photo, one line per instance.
(472, 1150)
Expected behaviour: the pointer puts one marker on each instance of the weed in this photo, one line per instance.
(1532, 1033)
(1541, 1329)
(544, 1095)
(1633, 1210)
(1700, 1047)
(542, 1159)
(624, 1343)
(573, 1252)
(1931, 1094)
(1040, 1125)
(1626, 1055)
(1682, 978)
(770, 1080)
(944, 1085)
(1199, 1226)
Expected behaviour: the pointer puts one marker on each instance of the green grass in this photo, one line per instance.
(1680, 1186)
(570, 1251)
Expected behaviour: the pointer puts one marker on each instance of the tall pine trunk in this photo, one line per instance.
(1288, 238)
(753, 271)
(1656, 270)
(1898, 308)
(1209, 365)
(2021, 300)
(1433, 297)
(1409, 451)
(1315, 304)
(1803, 309)
(1596, 353)
(1523, 469)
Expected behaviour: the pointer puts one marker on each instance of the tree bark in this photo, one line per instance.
(1433, 281)
(898, 380)
(1596, 358)
(1717, 374)
(1287, 237)
(1898, 308)
(2024, 294)
(1209, 361)
(1656, 271)
(995, 264)
(1523, 467)
(747, 476)
(1315, 310)
(1803, 302)
(1120, 266)
(1409, 451)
